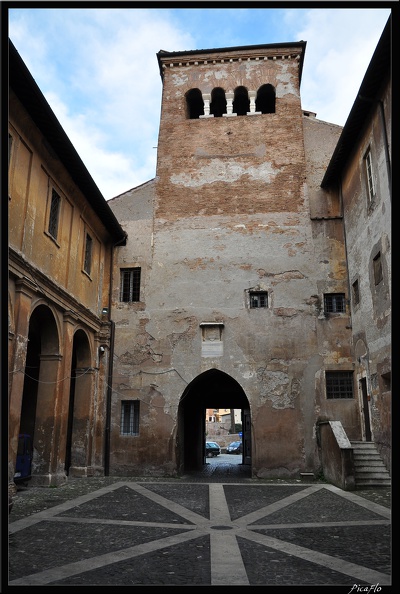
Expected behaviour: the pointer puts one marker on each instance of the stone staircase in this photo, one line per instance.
(369, 469)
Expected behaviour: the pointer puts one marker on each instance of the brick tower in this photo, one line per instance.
(233, 266)
(231, 133)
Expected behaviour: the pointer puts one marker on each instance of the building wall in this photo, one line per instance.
(57, 379)
(234, 207)
(368, 232)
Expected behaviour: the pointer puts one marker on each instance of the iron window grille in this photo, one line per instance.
(130, 284)
(334, 303)
(258, 299)
(339, 384)
(130, 417)
(87, 265)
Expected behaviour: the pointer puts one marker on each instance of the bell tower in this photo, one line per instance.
(231, 135)
(236, 249)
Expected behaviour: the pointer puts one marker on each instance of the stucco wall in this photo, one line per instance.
(368, 232)
(55, 325)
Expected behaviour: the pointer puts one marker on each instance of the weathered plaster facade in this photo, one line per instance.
(236, 206)
(59, 341)
(269, 206)
(367, 215)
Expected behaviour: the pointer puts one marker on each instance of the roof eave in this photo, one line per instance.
(33, 100)
(367, 97)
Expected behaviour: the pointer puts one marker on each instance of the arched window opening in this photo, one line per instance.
(265, 100)
(195, 104)
(218, 102)
(241, 101)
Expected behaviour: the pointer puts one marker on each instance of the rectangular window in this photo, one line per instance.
(339, 384)
(130, 417)
(369, 175)
(130, 284)
(334, 303)
(258, 299)
(356, 292)
(87, 265)
(54, 213)
(378, 274)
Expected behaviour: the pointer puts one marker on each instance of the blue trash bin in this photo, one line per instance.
(23, 467)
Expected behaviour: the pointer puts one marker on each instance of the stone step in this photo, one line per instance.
(372, 467)
(358, 456)
(369, 468)
(373, 483)
(371, 461)
(375, 461)
(363, 445)
(374, 473)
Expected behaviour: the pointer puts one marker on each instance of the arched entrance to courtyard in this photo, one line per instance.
(211, 389)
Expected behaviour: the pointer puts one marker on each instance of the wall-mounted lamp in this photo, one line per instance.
(104, 311)
(101, 350)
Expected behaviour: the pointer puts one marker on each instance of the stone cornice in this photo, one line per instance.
(27, 275)
(207, 59)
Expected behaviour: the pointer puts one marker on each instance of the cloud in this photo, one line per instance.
(340, 45)
(98, 69)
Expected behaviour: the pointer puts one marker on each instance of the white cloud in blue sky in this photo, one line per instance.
(98, 70)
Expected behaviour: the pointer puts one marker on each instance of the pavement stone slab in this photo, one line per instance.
(184, 533)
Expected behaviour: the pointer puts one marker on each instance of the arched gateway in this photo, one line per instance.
(211, 389)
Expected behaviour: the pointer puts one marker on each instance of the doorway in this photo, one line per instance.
(211, 389)
(365, 409)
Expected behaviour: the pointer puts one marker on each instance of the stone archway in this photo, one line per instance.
(40, 388)
(213, 388)
(80, 409)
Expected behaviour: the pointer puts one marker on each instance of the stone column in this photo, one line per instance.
(44, 448)
(252, 97)
(229, 105)
(24, 291)
(206, 99)
(62, 401)
(82, 427)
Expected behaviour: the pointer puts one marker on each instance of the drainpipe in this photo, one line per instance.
(110, 367)
(346, 253)
(108, 402)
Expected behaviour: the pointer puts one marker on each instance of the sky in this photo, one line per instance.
(97, 67)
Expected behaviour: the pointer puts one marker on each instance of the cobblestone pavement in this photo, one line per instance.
(216, 528)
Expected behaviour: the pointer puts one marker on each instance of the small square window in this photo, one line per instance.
(378, 274)
(339, 384)
(87, 265)
(54, 213)
(130, 284)
(130, 417)
(356, 292)
(258, 299)
(334, 303)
